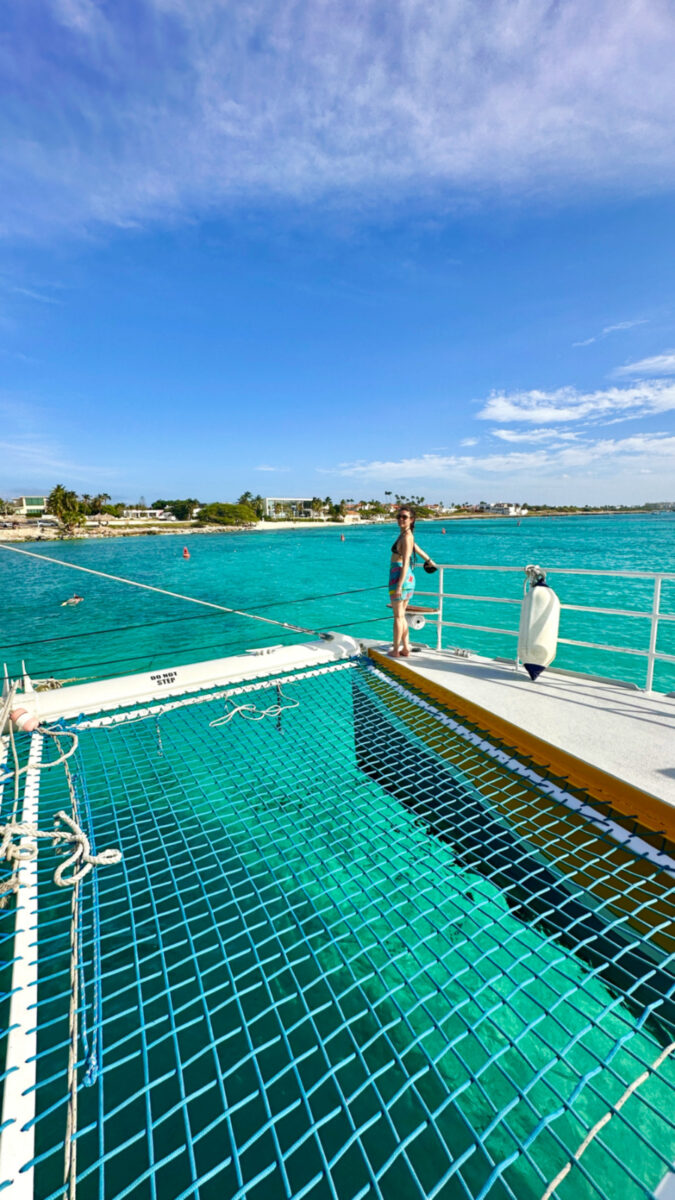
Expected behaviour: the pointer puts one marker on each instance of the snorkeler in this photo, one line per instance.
(74, 599)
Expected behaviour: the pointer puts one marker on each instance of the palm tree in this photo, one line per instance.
(66, 506)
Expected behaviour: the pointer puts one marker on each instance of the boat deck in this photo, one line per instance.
(616, 742)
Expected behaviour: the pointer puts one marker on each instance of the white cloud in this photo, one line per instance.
(660, 364)
(533, 435)
(169, 107)
(567, 404)
(32, 295)
(469, 441)
(40, 459)
(82, 16)
(264, 467)
(619, 327)
(608, 465)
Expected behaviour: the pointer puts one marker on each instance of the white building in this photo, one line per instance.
(282, 507)
(29, 506)
(503, 509)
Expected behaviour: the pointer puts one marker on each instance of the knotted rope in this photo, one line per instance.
(534, 574)
(15, 853)
(74, 835)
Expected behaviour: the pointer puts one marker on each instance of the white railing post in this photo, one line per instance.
(653, 633)
(439, 618)
(17, 1142)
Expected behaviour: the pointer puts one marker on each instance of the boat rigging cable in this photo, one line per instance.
(46, 683)
(66, 637)
(165, 592)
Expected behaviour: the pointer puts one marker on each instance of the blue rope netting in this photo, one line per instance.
(350, 953)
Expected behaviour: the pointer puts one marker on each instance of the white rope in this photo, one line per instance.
(70, 1140)
(208, 696)
(74, 835)
(534, 574)
(43, 766)
(8, 704)
(605, 1119)
(251, 713)
(162, 591)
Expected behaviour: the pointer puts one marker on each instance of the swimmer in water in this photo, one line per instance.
(74, 599)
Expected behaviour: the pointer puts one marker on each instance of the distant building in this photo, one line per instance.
(29, 506)
(507, 510)
(282, 507)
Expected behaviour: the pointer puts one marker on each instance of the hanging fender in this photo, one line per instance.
(24, 721)
(539, 620)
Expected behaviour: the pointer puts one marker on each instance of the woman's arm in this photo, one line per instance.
(423, 556)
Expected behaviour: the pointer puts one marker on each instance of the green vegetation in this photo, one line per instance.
(65, 505)
(72, 510)
(257, 503)
(227, 514)
(416, 502)
(181, 509)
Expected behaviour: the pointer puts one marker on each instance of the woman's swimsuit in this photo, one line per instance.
(394, 576)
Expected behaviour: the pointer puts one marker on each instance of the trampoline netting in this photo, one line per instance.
(339, 960)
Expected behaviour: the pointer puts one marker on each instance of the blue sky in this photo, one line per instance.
(337, 248)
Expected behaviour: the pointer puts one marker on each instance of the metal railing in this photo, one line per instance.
(654, 614)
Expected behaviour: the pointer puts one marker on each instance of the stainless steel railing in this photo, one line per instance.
(654, 614)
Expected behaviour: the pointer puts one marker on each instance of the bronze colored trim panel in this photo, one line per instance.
(612, 792)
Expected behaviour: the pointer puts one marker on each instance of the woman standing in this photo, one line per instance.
(402, 579)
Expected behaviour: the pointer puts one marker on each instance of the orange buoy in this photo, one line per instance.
(23, 720)
(186, 552)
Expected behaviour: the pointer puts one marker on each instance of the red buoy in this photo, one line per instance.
(442, 531)
(186, 552)
(342, 537)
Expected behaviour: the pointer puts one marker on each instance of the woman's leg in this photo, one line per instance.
(399, 622)
(405, 631)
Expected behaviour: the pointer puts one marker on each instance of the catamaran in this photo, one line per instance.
(310, 921)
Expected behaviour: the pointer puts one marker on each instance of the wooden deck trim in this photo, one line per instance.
(611, 791)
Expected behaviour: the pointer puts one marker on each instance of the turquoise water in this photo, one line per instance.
(120, 629)
(304, 993)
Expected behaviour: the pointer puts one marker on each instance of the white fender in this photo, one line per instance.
(23, 720)
(417, 621)
(539, 620)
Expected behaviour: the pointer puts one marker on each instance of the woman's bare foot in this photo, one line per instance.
(393, 653)
(404, 654)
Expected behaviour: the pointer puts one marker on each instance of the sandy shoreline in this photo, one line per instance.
(24, 534)
(47, 535)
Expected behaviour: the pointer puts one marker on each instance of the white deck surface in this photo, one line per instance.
(628, 734)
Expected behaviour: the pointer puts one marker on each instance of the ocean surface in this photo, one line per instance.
(316, 580)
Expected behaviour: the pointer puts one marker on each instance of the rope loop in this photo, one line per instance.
(534, 574)
(80, 859)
